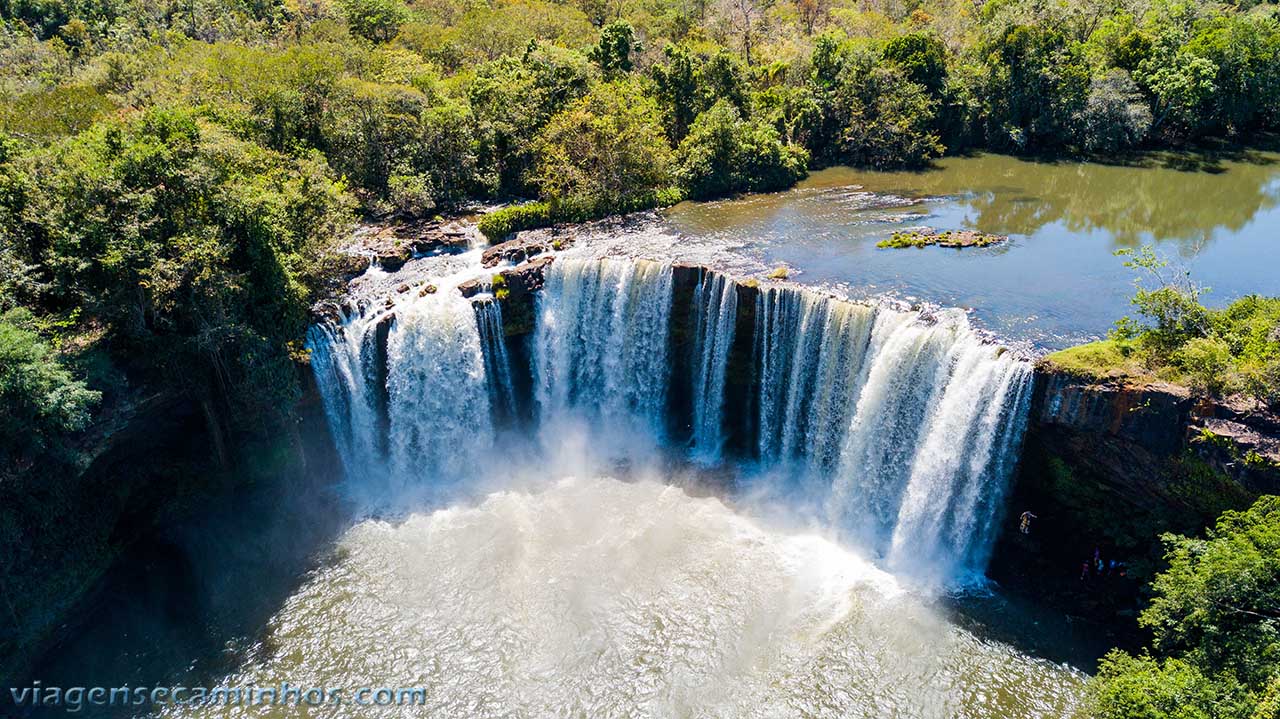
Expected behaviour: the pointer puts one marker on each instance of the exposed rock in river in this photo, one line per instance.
(948, 238)
(516, 251)
(392, 246)
(526, 278)
(471, 288)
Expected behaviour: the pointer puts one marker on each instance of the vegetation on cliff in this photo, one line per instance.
(1215, 622)
(186, 251)
(1229, 351)
(173, 174)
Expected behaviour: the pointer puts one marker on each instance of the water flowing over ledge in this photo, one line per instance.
(898, 429)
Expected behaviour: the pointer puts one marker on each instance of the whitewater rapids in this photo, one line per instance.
(603, 598)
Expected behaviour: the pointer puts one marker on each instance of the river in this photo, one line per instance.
(1056, 282)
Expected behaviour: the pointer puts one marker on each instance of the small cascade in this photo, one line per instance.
(903, 428)
(715, 319)
(956, 488)
(347, 361)
(441, 421)
(407, 394)
(497, 365)
(600, 350)
(809, 350)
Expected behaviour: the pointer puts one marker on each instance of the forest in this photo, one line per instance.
(175, 179)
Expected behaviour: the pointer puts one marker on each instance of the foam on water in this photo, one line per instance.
(595, 598)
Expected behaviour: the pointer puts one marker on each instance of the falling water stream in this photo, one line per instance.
(881, 444)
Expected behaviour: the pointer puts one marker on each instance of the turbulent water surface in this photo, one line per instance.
(602, 598)
(805, 485)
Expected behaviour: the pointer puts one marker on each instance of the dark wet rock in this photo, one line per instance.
(402, 288)
(1111, 465)
(529, 277)
(471, 288)
(1155, 416)
(514, 251)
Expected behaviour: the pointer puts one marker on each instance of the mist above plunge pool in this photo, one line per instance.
(597, 597)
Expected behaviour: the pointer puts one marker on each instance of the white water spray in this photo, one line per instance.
(716, 313)
(600, 345)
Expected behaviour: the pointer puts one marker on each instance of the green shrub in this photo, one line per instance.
(505, 221)
(43, 402)
(1216, 626)
(1206, 362)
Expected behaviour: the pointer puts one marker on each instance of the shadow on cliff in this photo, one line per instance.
(187, 604)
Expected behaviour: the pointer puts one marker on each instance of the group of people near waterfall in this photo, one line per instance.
(1100, 567)
(1095, 567)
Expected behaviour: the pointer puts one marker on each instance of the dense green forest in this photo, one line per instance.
(1215, 619)
(174, 177)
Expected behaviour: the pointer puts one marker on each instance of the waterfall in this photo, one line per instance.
(600, 345)
(900, 429)
(809, 351)
(497, 365)
(716, 314)
(407, 395)
(903, 427)
(345, 360)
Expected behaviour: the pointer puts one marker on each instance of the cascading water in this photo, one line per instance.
(904, 427)
(716, 313)
(497, 365)
(901, 428)
(407, 395)
(587, 596)
(346, 363)
(600, 345)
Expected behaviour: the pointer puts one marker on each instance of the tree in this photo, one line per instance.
(745, 20)
(1128, 687)
(43, 402)
(1215, 617)
(196, 250)
(613, 53)
(1169, 301)
(888, 120)
(922, 58)
(513, 99)
(692, 80)
(375, 20)
(1116, 116)
(811, 13)
(606, 148)
(725, 153)
(1219, 600)
(1035, 86)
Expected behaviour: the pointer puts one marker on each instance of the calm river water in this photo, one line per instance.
(1057, 281)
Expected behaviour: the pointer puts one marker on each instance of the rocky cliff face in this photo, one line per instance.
(1110, 467)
